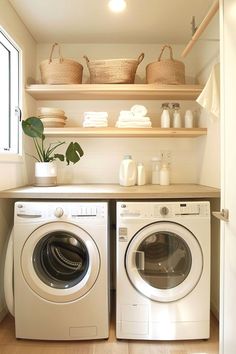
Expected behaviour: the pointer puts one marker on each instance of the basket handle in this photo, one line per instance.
(52, 50)
(140, 58)
(162, 50)
(86, 58)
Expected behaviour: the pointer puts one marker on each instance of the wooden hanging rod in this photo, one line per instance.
(213, 10)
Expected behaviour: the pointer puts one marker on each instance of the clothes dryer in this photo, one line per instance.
(163, 270)
(61, 276)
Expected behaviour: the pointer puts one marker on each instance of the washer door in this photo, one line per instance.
(60, 262)
(164, 261)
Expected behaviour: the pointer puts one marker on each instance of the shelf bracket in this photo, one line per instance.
(213, 10)
(194, 27)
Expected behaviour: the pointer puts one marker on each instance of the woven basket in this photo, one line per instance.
(113, 71)
(167, 71)
(60, 70)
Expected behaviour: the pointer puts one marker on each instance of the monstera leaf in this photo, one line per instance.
(73, 153)
(33, 127)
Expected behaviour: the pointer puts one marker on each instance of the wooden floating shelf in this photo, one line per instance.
(114, 91)
(126, 132)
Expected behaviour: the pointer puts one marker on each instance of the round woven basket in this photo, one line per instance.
(60, 71)
(166, 71)
(113, 71)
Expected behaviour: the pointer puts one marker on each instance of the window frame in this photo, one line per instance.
(13, 152)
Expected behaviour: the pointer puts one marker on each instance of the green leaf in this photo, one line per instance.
(59, 157)
(33, 127)
(73, 153)
(52, 147)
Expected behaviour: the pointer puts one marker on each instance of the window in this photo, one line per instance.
(9, 95)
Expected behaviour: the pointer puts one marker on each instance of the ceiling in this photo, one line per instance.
(90, 21)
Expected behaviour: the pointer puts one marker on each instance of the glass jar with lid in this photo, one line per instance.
(156, 165)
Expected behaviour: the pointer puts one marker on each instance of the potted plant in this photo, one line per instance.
(45, 167)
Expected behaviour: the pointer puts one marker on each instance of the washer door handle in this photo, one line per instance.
(139, 258)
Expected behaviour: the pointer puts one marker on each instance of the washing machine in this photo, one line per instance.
(60, 276)
(163, 270)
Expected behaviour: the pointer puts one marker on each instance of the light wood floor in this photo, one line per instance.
(10, 345)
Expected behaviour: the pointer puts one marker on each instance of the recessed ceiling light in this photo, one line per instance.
(117, 5)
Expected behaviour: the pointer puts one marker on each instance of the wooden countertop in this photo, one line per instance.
(112, 191)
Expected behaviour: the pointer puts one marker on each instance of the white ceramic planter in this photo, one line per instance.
(45, 174)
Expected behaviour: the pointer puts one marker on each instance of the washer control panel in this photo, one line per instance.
(52, 211)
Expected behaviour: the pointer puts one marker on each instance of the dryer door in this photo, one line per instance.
(60, 262)
(164, 261)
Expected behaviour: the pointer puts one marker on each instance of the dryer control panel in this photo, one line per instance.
(140, 210)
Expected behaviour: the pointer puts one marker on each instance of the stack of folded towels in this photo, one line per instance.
(135, 118)
(95, 119)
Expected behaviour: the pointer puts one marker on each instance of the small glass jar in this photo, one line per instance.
(156, 165)
(164, 175)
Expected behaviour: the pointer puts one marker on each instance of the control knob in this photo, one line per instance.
(58, 212)
(164, 211)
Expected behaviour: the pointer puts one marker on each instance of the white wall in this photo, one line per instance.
(193, 160)
(185, 154)
(206, 55)
(14, 174)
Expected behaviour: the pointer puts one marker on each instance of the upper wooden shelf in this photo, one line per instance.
(114, 91)
(110, 132)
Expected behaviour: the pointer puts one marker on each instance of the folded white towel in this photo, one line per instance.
(134, 119)
(95, 114)
(126, 114)
(139, 110)
(88, 124)
(133, 124)
(95, 119)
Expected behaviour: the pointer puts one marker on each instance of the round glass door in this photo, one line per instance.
(164, 261)
(61, 259)
(60, 262)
